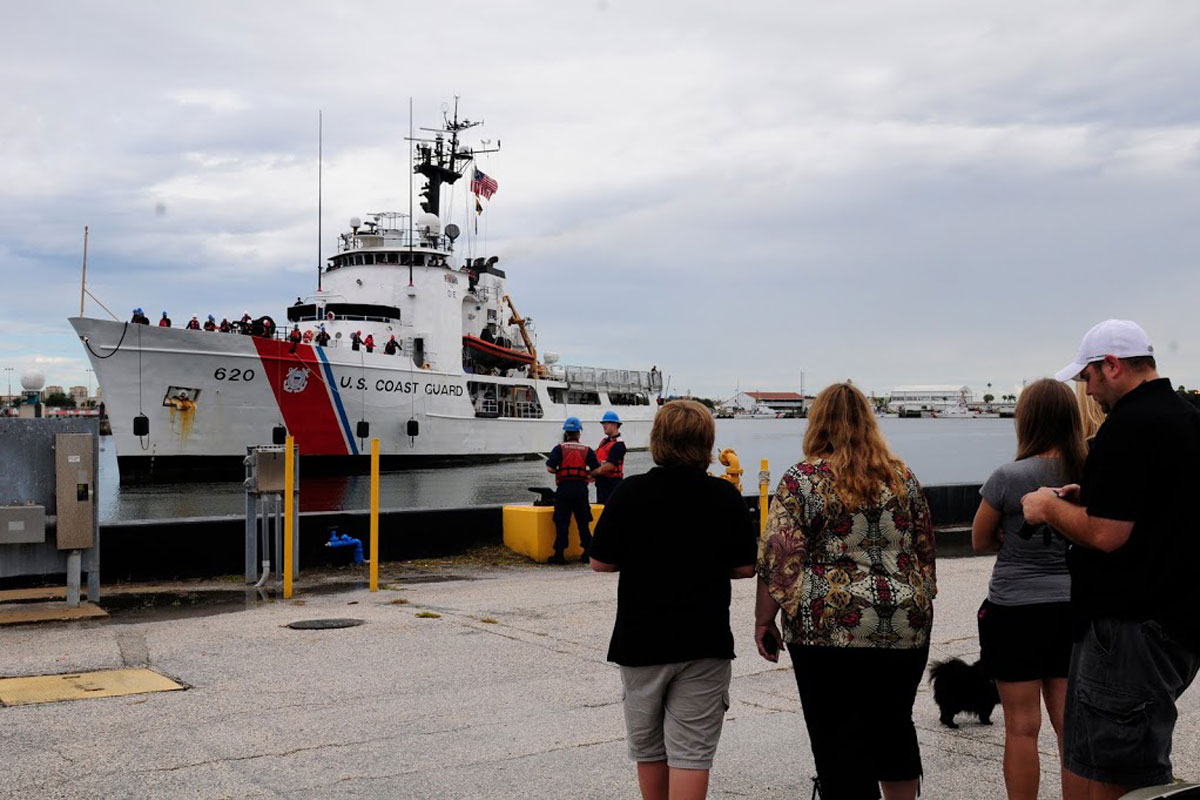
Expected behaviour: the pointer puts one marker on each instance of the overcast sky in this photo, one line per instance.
(915, 192)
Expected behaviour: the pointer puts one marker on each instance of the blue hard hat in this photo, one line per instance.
(572, 424)
(611, 416)
(211, 318)
(164, 313)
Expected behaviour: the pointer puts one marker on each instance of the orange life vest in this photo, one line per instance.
(602, 457)
(574, 462)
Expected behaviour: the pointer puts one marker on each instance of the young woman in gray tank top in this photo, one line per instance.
(1025, 634)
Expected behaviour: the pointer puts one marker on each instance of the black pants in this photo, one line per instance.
(571, 498)
(858, 708)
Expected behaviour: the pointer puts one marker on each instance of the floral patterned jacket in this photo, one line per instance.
(861, 577)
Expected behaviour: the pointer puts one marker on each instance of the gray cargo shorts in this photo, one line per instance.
(674, 712)
(1120, 713)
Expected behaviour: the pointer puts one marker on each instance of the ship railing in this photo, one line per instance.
(611, 380)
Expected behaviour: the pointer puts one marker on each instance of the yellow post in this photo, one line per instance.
(289, 498)
(375, 515)
(764, 483)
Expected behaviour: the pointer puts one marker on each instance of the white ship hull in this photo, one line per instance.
(208, 396)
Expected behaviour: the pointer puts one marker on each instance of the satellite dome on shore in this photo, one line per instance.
(32, 380)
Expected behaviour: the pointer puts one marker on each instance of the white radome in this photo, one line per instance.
(32, 380)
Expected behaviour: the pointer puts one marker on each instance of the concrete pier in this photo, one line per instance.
(504, 694)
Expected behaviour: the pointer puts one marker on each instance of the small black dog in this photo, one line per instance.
(959, 686)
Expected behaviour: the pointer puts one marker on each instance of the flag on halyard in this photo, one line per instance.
(482, 184)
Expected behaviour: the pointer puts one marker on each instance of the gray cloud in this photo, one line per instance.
(937, 192)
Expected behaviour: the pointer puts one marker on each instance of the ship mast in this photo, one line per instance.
(438, 159)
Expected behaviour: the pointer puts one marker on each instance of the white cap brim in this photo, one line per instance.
(1070, 372)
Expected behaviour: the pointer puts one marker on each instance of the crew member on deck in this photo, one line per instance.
(611, 455)
(194, 323)
(139, 317)
(369, 343)
(225, 326)
(322, 338)
(295, 337)
(165, 322)
(247, 323)
(571, 462)
(356, 340)
(392, 346)
(487, 335)
(210, 324)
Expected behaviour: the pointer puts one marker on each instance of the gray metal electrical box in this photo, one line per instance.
(268, 470)
(23, 524)
(75, 488)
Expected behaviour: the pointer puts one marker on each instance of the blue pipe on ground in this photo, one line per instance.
(346, 541)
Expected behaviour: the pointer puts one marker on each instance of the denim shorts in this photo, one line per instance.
(674, 712)
(1121, 690)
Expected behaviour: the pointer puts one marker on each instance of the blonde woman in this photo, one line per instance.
(848, 556)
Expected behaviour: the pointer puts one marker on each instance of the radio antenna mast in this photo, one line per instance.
(320, 195)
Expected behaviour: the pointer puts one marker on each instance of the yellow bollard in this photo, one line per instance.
(289, 499)
(733, 467)
(764, 483)
(375, 515)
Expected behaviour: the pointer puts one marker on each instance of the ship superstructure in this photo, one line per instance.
(454, 373)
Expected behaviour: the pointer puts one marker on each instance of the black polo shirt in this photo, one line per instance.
(1144, 467)
(675, 534)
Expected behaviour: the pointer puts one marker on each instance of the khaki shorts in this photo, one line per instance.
(674, 712)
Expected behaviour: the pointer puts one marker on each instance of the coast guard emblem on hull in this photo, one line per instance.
(296, 380)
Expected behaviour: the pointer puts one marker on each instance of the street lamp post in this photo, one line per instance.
(9, 370)
(87, 400)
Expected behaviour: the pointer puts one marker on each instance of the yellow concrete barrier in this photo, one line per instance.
(529, 530)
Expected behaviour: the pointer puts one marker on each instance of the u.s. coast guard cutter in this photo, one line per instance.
(466, 381)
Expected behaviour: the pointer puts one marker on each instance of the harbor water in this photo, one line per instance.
(939, 451)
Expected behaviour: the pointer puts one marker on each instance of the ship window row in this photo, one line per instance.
(367, 312)
(369, 259)
(519, 401)
(629, 398)
(573, 397)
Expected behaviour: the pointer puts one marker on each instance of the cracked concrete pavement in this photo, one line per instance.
(505, 695)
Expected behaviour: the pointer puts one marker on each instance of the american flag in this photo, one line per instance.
(482, 184)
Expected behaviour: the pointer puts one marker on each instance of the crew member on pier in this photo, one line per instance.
(611, 455)
(571, 462)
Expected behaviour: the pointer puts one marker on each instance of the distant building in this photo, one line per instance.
(79, 394)
(915, 399)
(764, 403)
(778, 401)
(49, 390)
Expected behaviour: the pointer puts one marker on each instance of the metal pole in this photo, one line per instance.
(251, 521)
(83, 280)
(375, 514)
(73, 569)
(764, 482)
(277, 503)
(296, 519)
(289, 502)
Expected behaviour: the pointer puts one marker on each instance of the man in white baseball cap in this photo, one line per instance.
(1137, 534)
